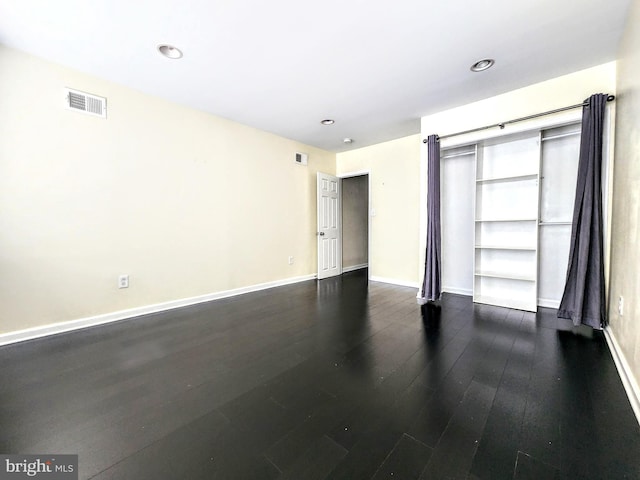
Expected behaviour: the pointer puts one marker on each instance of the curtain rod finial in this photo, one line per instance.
(611, 98)
(424, 140)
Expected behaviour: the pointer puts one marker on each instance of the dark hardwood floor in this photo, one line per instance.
(337, 379)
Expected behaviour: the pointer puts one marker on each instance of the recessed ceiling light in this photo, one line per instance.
(481, 65)
(348, 140)
(328, 121)
(170, 51)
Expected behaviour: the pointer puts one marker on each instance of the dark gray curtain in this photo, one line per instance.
(430, 290)
(583, 300)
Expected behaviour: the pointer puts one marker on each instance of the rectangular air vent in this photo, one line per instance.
(302, 158)
(86, 103)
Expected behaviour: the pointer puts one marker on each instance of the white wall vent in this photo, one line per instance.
(302, 158)
(86, 103)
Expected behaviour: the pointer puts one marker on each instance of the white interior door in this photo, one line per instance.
(329, 226)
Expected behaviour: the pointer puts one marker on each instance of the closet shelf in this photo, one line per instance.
(517, 303)
(482, 220)
(505, 247)
(562, 135)
(506, 276)
(509, 178)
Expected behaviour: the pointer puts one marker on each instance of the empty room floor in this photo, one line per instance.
(337, 379)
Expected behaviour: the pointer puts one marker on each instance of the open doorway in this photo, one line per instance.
(355, 222)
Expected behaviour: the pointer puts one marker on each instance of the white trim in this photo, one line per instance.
(358, 173)
(458, 291)
(394, 281)
(61, 327)
(354, 267)
(548, 303)
(624, 370)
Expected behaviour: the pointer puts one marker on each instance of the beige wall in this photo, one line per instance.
(184, 202)
(355, 216)
(394, 168)
(625, 246)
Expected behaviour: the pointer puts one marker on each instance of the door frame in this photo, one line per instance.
(359, 173)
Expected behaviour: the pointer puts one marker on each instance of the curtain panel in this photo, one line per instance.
(430, 289)
(583, 300)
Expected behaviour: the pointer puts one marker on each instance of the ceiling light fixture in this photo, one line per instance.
(348, 140)
(482, 65)
(328, 121)
(170, 51)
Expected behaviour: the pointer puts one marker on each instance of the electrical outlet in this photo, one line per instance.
(621, 305)
(290, 259)
(123, 281)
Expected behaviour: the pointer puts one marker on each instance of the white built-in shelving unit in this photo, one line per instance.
(506, 223)
(507, 207)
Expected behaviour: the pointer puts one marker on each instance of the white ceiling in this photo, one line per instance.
(374, 66)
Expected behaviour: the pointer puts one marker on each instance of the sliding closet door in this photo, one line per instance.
(457, 174)
(560, 150)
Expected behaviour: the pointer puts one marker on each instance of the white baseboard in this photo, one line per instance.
(393, 281)
(624, 370)
(354, 267)
(458, 291)
(61, 327)
(548, 303)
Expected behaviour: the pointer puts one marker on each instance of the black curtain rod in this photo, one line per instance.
(610, 98)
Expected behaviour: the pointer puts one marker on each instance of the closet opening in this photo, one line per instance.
(506, 208)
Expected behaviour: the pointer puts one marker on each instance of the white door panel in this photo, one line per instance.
(329, 226)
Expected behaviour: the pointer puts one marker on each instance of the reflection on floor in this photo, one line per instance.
(337, 379)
